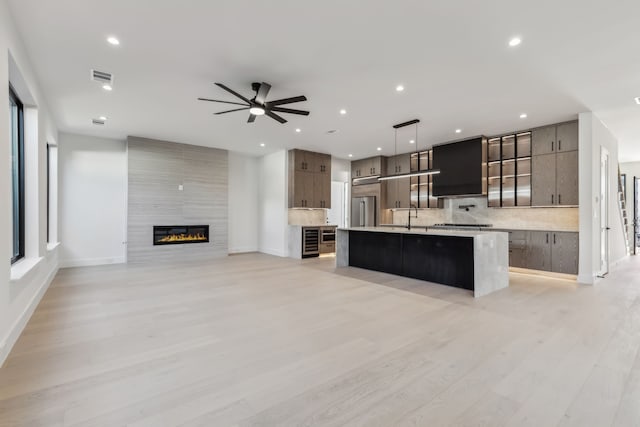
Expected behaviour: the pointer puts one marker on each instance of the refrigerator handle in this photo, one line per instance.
(362, 213)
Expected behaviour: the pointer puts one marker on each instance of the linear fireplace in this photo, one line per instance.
(179, 234)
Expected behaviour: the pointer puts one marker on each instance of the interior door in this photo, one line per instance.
(604, 211)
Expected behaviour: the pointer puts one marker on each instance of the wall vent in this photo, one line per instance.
(98, 122)
(101, 76)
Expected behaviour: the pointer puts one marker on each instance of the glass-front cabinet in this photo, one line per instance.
(509, 170)
(422, 186)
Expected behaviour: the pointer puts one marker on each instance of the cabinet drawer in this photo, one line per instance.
(327, 248)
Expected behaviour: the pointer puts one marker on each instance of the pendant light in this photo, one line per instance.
(408, 174)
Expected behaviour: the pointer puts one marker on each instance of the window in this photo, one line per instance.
(17, 174)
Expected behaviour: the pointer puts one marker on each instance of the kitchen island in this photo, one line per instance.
(474, 260)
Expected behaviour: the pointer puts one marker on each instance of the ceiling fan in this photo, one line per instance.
(258, 105)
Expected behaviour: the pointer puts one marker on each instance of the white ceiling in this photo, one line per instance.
(451, 55)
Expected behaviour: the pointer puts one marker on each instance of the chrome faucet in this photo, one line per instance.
(416, 208)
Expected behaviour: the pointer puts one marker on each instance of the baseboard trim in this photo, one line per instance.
(243, 250)
(88, 262)
(274, 252)
(18, 326)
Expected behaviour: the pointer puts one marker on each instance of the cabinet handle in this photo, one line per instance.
(559, 202)
(554, 238)
(559, 145)
(547, 237)
(552, 199)
(551, 145)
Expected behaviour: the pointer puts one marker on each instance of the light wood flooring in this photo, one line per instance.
(256, 340)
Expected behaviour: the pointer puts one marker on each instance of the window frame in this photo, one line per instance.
(14, 99)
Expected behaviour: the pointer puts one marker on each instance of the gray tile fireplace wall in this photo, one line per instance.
(156, 170)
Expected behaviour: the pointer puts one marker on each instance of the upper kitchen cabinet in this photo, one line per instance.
(309, 179)
(322, 163)
(555, 138)
(304, 161)
(509, 170)
(554, 166)
(371, 166)
(567, 135)
(398, 164)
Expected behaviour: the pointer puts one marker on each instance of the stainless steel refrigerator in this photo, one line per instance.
(363, 211)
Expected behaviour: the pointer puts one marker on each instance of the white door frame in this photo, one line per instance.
(604, 211)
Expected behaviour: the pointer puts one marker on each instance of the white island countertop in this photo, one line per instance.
(423, 230)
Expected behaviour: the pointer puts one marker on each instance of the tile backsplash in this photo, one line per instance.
(307, 216)
(477, 212)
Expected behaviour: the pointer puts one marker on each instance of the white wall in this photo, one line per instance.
(593, 136)
(93, 200)
(22, 285)
(272, 204)
(243, 203)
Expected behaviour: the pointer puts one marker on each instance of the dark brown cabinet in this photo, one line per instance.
(398, 193)
(555, 138)
(555, 251)
(398, 190)
(309, 179)
(371, 166)
(554, 179)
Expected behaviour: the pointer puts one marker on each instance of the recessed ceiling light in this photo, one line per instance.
(515, 41)
(458, 130)
(412, 141)
(114, 41)
(638, 100)
(256, 111)
(399, 88)
(343, 111)
(103, 118)
(298, 130)
(523, 116)
(108, 88)
(350, 155)
(379, 148)
(262, 144)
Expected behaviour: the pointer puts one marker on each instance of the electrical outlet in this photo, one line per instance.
(180, 187)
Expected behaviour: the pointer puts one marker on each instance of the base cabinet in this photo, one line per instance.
(447, 260)
(555, 251)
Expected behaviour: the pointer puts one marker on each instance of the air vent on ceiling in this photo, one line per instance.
(101, 76)
(98, 122)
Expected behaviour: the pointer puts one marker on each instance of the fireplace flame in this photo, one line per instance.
(198, 237)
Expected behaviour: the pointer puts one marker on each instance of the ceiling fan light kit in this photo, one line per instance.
(258, 105)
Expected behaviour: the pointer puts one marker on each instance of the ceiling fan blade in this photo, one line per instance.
(233, 92)
(217, 100)
(274, 116)
(261, 96)
(290, 111)
(252, 118)
(286, 101)
(231, 111)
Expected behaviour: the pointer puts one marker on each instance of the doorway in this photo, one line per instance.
(604, 212)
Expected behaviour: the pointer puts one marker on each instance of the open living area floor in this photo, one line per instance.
(258, 340)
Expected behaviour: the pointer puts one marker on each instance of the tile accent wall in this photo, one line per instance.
(156, 170)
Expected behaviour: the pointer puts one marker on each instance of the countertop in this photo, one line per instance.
(313, 225)
(422, 230)
(503, 229)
